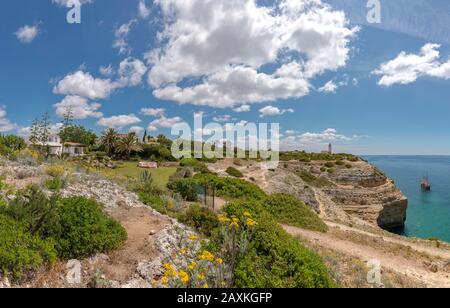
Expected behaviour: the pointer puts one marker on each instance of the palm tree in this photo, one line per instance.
(129, 144)
(109, 141)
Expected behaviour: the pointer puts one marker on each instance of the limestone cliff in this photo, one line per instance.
(357, 188)
(338, 190)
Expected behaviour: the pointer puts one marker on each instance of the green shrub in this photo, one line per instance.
(34, 209)
(55, 171)
(348, 166)
(55, 184)
(194, 163)
(187, 188)
(99, 155)
(84, 229)
(323, 169)
(306, 176)
(200, 218)
(275, 259)
(234, 172)
(288, 210)
(154, 201)
(12, 142)
(329, 164)
(340, 163)
(331, 170)
(230, 187)
(20, 251)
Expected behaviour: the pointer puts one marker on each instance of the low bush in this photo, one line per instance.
(20, 251)
(289, 210)
(154, 201)
(55, 184)
(37, 212)
(55, 171)
(234, 172)
(194, 163)
(230, 187)
(329, 164)
(306, 176)
(84, 229)
(274, 258)
(200, 218)
(187, 188)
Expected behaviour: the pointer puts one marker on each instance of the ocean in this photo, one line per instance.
(428, 212)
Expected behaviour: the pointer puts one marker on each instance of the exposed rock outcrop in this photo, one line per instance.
(337, 191)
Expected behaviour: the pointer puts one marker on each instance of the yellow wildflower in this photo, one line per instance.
(184, 277)
(193, 238)
(164, 281)
(247, 214)
(168, 267)
(183, 251)
(234, 225)
(219, 261)
(193, 265)
(201, 276)
(206, 255)
(251, 222)
(205, 286)
(223, 218)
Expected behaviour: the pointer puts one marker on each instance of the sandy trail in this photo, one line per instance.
(366, 253)
(433, 251)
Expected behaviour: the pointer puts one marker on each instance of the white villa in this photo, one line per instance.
(56, 148)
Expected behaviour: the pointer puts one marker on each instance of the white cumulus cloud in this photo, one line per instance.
(119, 121)
(143, 10)
(163, 122)
(5, 124)
(85, 85)
(407, 68)
(79, 106)
(270, 111)
(27, 34)
(225, 43)
(121, 37)
(153, 112)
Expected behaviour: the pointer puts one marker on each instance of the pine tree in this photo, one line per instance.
(144, 139)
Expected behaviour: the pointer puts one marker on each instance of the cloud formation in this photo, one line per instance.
(79, 106)
(5, 124)
(163, 122)
(119, 122)
(271, 111)
(226, 47)
(407, 68)
(27, 34)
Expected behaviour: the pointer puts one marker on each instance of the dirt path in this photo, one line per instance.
(433, 251)
(141, 226)
(366, 253)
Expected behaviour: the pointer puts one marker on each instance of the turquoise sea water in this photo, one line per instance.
(428, 212)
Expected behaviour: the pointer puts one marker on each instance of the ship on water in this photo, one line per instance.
(425, 185)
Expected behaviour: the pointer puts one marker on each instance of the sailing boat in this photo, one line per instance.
(425, 185)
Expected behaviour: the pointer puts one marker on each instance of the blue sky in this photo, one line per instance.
(174, 63)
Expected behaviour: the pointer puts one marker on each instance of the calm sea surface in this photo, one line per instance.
(428, 212)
